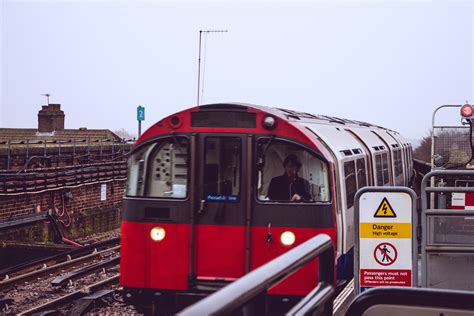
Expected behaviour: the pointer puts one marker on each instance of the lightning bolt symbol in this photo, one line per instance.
(384, 208)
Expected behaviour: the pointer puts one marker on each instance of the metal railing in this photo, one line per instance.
(69, 149)
(412, 301)
(250, 287)
(447, 238)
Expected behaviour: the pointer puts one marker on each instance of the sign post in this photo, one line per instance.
(386, 246)
(140, 118)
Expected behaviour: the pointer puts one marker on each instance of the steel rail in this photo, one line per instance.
(61, 257)
(37, 273)
(63, 279)
(68, 298)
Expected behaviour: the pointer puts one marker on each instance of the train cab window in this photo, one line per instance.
(350, 181)
(222, 168)
(159, 170)
(277, 163)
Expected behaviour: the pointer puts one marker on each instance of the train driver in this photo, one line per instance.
(289, 187)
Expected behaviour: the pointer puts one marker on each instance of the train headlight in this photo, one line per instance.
(269, 122)
(157, 233)
(287, 238)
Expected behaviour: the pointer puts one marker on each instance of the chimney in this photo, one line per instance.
(50, 118)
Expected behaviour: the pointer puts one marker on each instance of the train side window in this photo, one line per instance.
(222, 167)
(361, 173)
(350, 181)
(160, 170)
(386, 178)
(378, 168)
(313, 173)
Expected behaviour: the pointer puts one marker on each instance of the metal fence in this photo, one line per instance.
(448, 237)
(451, 145)
(74, 150)
(61, 177)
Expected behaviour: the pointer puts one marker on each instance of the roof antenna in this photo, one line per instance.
(47, 95)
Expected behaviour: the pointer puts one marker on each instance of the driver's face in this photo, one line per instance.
(291, 170)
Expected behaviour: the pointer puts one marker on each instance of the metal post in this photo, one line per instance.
(199, 66)
(199, 59)
(139, 128)
(74, 152)
(113, 148)
(8, 155)
(432, 196)
(27, 151)
(100, 149)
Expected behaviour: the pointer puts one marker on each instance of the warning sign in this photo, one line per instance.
(385, 209)
(385, 230)
(385, 247)
(385, 254)
(375, 277)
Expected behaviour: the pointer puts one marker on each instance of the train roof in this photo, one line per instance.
(303, 117)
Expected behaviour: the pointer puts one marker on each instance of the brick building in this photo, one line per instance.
(52, 145)
(78, 175)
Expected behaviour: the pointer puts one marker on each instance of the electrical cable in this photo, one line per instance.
(64, 187)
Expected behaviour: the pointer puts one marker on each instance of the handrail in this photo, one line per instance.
(410, 301)
(250, 286)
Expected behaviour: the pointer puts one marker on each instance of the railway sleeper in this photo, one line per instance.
(5, 302)
(85, 304)
(65, 279)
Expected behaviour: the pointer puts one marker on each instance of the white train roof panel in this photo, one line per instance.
(369, 138)
(387, 138)
(340, 141)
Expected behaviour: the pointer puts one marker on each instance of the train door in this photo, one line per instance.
(219, 238)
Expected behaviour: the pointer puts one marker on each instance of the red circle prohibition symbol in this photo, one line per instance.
(385, 254)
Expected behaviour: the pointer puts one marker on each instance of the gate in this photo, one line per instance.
(448, 236)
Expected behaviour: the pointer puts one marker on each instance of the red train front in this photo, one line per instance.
(198, 212)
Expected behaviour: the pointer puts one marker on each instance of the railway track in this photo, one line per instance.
(69, 298)
(59, 280)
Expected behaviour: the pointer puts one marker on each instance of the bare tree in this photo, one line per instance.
(423, 151)
(452, 148)
(123, 133)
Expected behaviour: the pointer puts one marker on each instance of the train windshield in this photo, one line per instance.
(159, 170)
(222, 168)
(290, 173)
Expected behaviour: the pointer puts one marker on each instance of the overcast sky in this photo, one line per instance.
(389, 63)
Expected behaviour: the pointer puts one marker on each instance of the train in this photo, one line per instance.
(217, 190)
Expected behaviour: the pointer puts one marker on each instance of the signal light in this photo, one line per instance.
(466, 111)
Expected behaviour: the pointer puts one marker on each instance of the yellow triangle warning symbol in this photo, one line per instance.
(385, 209)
